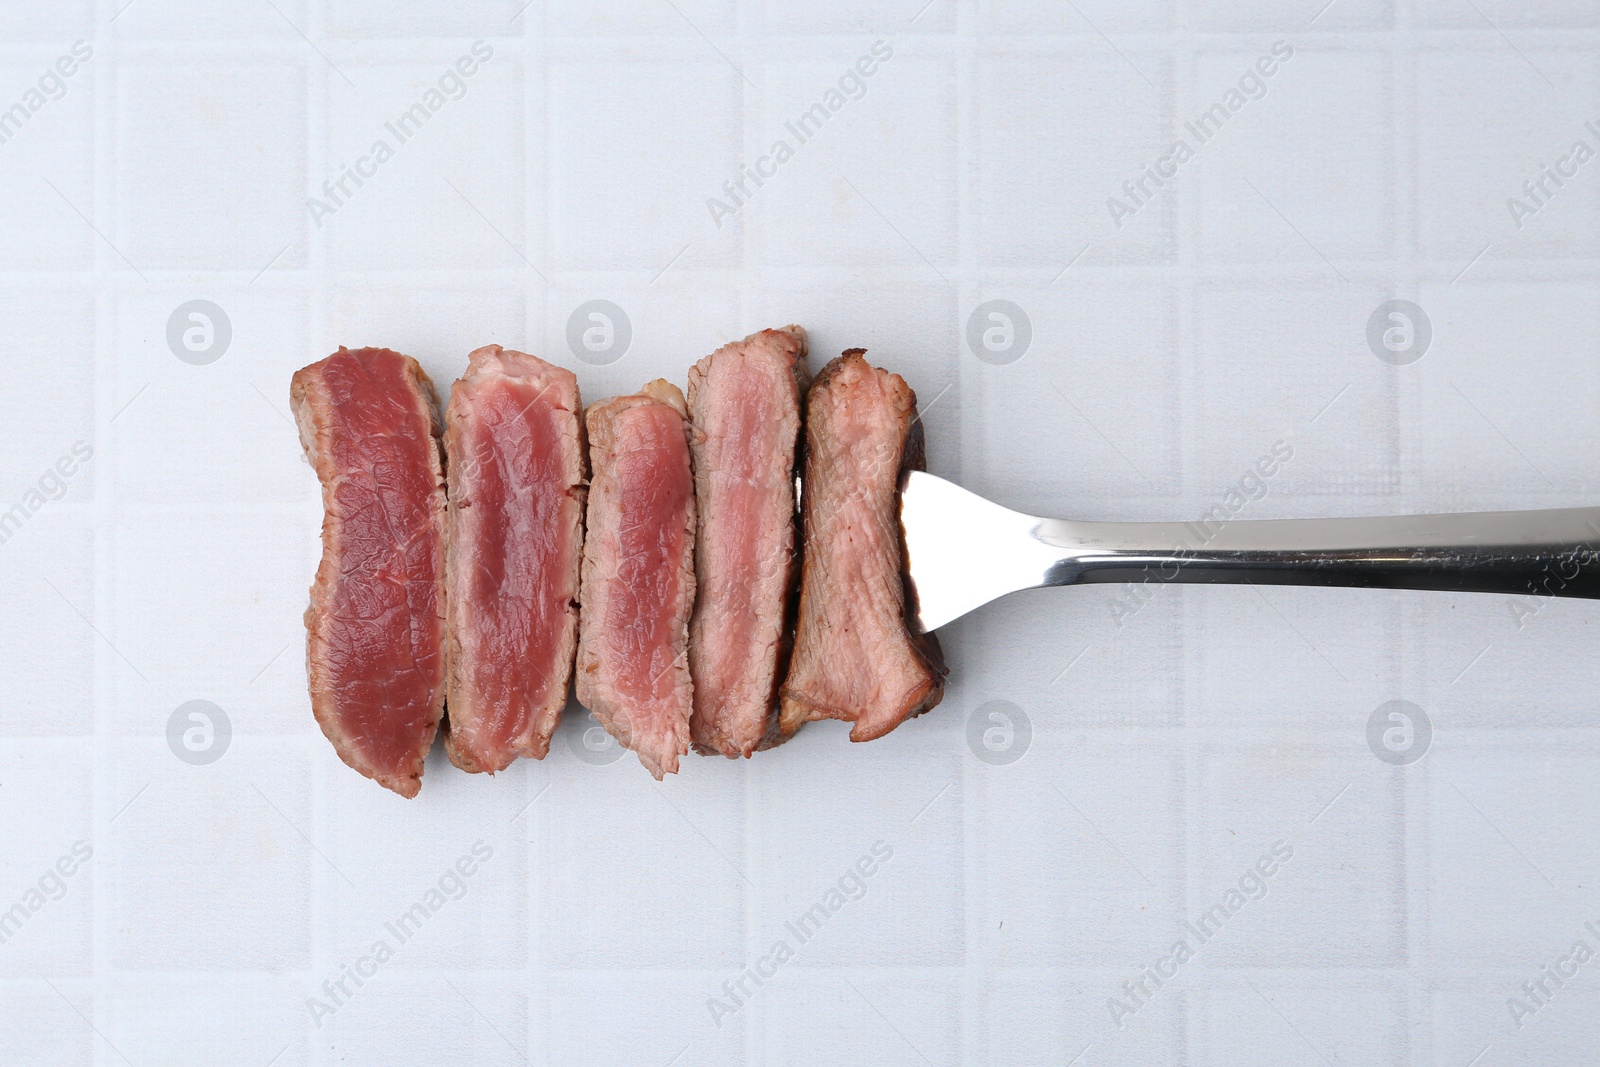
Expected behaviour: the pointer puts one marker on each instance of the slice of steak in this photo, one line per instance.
(744, 409)
(375, 650)
(514, 437)
(854, 657)
(638, 575)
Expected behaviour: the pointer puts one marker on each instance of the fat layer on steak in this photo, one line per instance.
(854, 657)
(375, 652)
(744, 411)
(514, 439)
(638, 574)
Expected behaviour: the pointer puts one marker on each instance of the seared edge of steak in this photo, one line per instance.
(813, 688)
(736, 688)
(465, 747)
(313, 411)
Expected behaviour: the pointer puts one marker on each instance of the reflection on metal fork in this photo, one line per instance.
(964, 551)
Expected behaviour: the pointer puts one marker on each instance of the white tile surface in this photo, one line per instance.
(50, 328)
(1357, 1017)
(433, 1019)
(374, 19)
(1069, 877)
(52, 872)
(1260, 16)
(592, 831)
(1028, 1019)
(1163, 743)
(44, 1025)
(1256, 190)
(167, 20)
(843, 200)
(1055, 139)
(666, 1018)
(640, 16)
(478, 223)
(156, 1019)
(210, 165)
(48, 148)
(631, 165)
(876, 1019)
(53, 23)
(243, 904)
(52, 691)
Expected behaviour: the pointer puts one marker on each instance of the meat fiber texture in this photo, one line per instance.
(638, 575)
(854, 656)
(375, 631)
(514, 438)
(744, 410)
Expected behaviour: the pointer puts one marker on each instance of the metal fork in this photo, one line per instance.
(964, 551)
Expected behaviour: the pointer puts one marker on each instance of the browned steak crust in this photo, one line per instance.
(854, 656)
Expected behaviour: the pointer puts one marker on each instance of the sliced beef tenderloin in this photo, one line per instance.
(375, 648)
(744, 410)
(854, 656)
(638, 574)
(514, 438)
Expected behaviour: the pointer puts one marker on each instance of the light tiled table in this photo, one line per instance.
(1167, 748)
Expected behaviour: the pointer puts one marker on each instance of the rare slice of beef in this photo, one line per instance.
(744, 410)
(375, 636)
(514, 438)
(854, 657)
(638, 574)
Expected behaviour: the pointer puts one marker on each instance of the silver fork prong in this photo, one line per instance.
(963, 551)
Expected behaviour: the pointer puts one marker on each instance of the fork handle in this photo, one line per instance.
(1548, 553)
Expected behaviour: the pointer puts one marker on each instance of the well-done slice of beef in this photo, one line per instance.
(854, 658)
(514, 438)
(744, 410)
(375, 651)
(638, 574)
